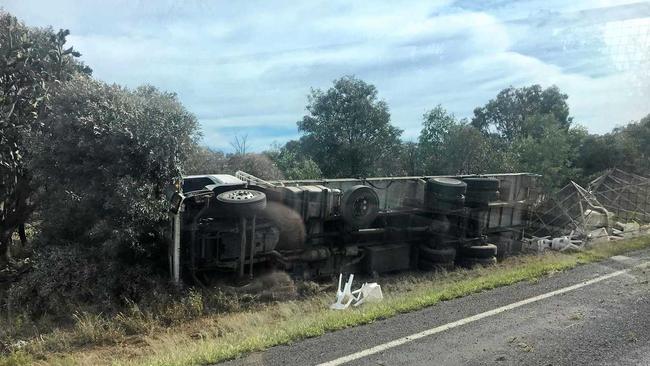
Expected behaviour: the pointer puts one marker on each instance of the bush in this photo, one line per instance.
(258, 165)
(102, 161)
(68, 279)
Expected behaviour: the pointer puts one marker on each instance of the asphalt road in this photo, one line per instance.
(559, 320)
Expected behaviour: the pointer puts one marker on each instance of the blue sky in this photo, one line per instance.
(246, 67)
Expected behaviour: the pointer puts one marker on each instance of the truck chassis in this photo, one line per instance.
(316, 228)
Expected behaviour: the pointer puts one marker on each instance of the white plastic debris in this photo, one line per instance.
(627, 228)
(564, 243)
(644, 230)
(595, 219)
(369, 292)
(537, 244)
(344, 296)
(598, 235)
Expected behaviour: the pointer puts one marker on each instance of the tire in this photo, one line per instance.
(481, 196)
(481, 191)
(482, 184)
(446, 187)
(445, 205)
(438, 255)
(359, 207)
(479, 251)
(427, 265)
(242, 202)
(477, 205)
(444, 194)
(502, 250)
(471, 262)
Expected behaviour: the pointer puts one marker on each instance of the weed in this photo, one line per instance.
(576, 316)
(308, 288)
(95, 329)
(631, 337)
(525, 347)
(212, 326)
(16, 358)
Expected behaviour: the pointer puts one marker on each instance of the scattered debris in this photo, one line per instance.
(562, 243)
(17, 345)
(369, 292)
(624, 194)
(613, 208)
(599, 234)
(343, 297)
(572, 208)
(596, 219)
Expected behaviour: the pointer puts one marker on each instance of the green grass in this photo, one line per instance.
(218, 337)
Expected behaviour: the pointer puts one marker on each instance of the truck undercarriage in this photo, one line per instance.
(318, 228)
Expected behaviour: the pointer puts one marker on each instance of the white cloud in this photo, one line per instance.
(250, 65)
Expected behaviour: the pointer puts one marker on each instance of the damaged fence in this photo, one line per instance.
(615, 205)
(572, 208)
(625, 195)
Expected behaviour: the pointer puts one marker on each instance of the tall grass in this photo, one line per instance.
(216, 337)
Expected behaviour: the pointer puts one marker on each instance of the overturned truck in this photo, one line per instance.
(241, 224)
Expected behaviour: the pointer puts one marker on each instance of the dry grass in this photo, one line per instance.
(136, 338)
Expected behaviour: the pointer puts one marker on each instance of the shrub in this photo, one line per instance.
(67, 279)
(102, 162)
(258, 165)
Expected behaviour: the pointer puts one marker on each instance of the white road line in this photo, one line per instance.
(473, 318)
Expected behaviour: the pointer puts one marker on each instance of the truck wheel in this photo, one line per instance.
(242, 201)
(444, 194)
(438, 255)
(482, 184)
(359, 206)
(479, 251)
(481, 196)
(446, 187)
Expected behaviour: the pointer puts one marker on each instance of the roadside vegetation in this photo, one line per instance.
(211, 325)
(85, 168)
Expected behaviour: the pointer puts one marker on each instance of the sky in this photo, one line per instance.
(245, 68)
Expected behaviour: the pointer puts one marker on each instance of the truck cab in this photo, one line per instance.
(193, 183)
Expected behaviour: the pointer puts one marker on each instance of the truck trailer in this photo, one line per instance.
(240, 225)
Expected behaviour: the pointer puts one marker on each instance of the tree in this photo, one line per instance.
(347, 130)
(598, 153)
(550, 155)
(523, 112)
(411, 159)
(258, 165)
(102, 162)
(635, 141)
(32, 62)
(293, 163)
(240, 144)
(467, 151)
(449, 146)
(104, 158)
(436, 125)
(203, 160)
